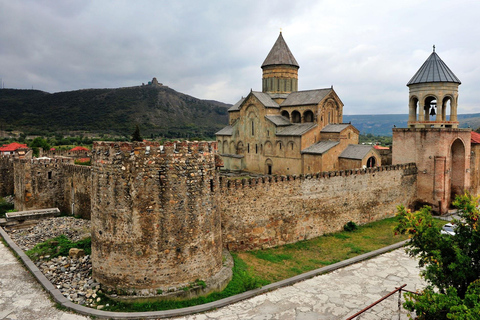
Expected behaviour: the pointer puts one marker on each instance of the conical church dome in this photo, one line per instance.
(434, 70)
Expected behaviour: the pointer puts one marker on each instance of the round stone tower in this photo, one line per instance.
(154, 223)
(280, 69)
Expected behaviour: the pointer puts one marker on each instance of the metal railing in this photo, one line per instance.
(399, 290)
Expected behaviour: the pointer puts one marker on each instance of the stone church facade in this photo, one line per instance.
(285, 131)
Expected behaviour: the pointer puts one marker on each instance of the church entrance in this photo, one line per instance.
(371, 162)
(457, 178)
(268, 166)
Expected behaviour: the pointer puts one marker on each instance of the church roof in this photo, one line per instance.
(227, 131)
(280, 54)
(355, 151)
(320, 147)
(301, 98)
(279, 121)
(265, 99)
(434, 70)
(236, 106)
(296, 129)
(337, 127)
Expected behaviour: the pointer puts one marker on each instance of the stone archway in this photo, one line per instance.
(371, 162)
(457, 168)
(268, 166)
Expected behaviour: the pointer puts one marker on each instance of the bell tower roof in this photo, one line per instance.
(280, 54)
(434, 70)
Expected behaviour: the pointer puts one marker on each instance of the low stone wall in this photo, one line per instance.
(6, 176)
(271, 211)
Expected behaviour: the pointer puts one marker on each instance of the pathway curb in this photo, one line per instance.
(60, 299)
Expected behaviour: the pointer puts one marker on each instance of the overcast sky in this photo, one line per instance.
(368, 50)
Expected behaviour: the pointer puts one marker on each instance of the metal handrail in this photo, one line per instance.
(377, 302)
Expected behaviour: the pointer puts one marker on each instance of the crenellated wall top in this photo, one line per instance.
(108, 151)
(226, 183)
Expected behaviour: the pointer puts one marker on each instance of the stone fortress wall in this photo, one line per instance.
(167, 206)
(271, 211)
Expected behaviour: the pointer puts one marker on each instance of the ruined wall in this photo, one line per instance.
(271, 211)
(6, 176)
(77, 188)
(52, 183)
(154, 223)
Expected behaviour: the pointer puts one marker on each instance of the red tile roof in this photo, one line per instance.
(381, 148)
(475, 137)
(13, 147)
(79, 149)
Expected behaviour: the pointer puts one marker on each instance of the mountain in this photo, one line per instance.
(382, 124)
(157, 109)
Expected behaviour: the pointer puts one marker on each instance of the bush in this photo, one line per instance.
(451, 264)
(350, 226)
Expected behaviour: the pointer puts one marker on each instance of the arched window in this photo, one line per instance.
(308, 116)
(296, 117)
(285, 114)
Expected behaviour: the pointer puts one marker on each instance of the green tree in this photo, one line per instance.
(451, 263)
(136, 134)
(39, 142)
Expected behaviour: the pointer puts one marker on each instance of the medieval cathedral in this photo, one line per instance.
(285, 131)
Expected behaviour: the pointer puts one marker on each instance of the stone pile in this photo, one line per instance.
(72, 276)
(74, 229)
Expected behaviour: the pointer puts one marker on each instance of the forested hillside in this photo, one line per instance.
(158, 110)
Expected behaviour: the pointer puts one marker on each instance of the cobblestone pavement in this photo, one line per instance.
(336, 295)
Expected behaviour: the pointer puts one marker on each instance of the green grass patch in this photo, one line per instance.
(286, 261)
(271, 256)
(58, 246)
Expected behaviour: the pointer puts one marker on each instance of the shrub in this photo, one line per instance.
(350, 226)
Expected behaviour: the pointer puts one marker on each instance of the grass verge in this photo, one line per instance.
(286, 261)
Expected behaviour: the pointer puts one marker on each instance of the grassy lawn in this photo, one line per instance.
(286, 261)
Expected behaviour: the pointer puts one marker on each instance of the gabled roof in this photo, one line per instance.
(475, 137)
(301, 98)
(434, 70)
(355, 151)
(265, 99)
(280, 54)
(335, 127)
(236, 106)
(13, 147)
(296, 129)
(227, 131)
(320, 147)
(279, 121)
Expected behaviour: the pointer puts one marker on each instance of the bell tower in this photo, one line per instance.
(432, 139)
(280, 69)
(433, 95)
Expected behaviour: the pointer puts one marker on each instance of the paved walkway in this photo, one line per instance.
(336, 295)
